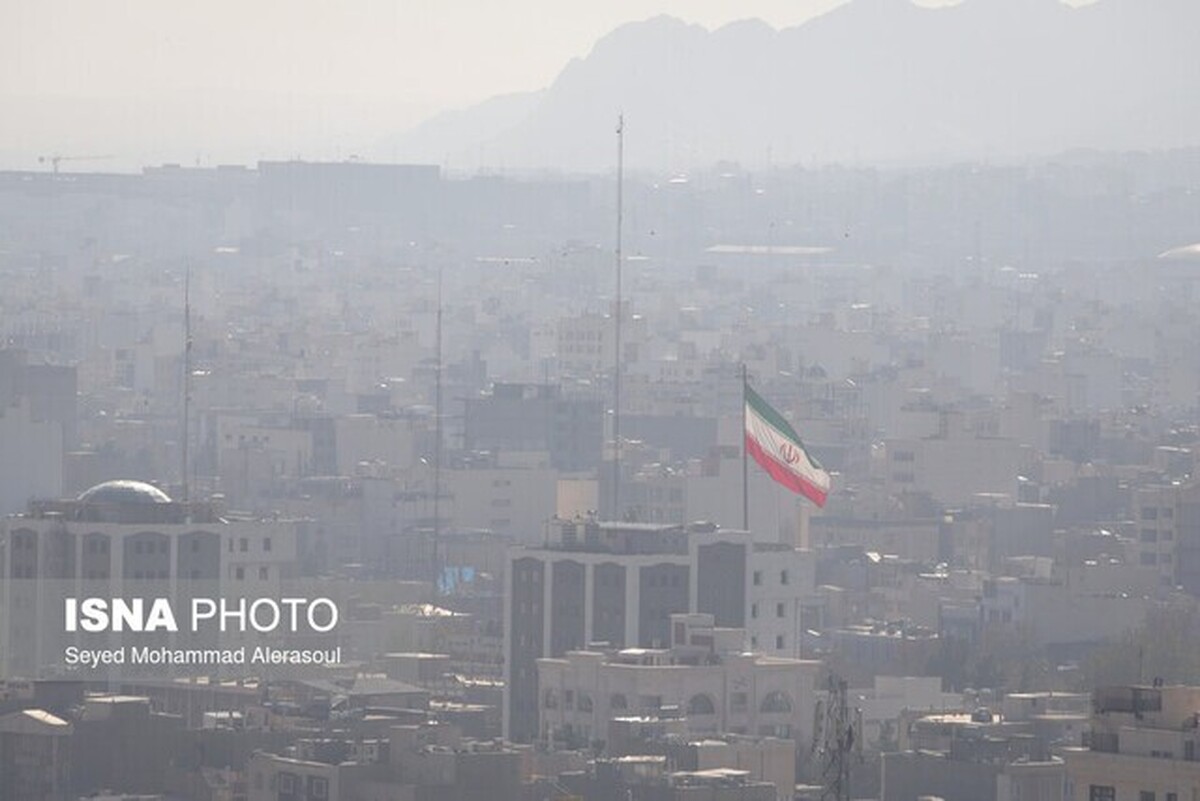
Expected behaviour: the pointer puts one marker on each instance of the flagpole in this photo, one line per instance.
(616, 426)
(745, 468)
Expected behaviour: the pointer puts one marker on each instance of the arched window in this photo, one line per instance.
(617, 701)
(776, 702)
(585, 702)
(701, 705)
(550, 700)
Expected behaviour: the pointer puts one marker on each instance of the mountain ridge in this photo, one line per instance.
(870, 81)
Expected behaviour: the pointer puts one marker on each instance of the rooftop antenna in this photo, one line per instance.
(837, 737)
(187, 378)
(617, 325)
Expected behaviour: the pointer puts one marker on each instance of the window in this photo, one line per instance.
(267, 544)
(243, 545)
(754, 610)
(262, 574)
(1146, 795)
(1149, 513)
(757, 578)
(776, 702)
(779, 642)
(701, 705)
(738, 702)
(195, 546)
(318, 787)
(779, 609)
(783, 577)
(1101, 792)
(287, 783)
(239, 573)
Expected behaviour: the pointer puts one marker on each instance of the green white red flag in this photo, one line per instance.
(777, 448)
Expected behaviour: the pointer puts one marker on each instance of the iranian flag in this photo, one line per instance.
(776, 446)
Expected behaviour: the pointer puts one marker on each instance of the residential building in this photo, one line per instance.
(35, 756)
(704, 676)
(1142, 746)
(117, 536)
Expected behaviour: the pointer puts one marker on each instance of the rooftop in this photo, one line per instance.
(124, 491)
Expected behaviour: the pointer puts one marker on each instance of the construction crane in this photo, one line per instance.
(56, 160)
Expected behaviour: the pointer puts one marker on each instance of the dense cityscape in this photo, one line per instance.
(651, 400)
(398, 385)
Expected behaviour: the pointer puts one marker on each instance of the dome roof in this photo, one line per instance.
(1185, 253)
(124, 491)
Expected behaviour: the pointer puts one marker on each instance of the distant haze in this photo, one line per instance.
(140, 81)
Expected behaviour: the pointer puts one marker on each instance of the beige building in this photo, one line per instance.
(783, 599)
(1142, 747)
(704, 676)
(509, 501)
(118, 536)
(1154, 516)
(954, 466)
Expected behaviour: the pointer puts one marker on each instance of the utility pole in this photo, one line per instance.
(745, 465)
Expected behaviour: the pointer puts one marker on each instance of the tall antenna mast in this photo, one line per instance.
(837, 737)
(617, 324)
(187, 379)
(437, 442)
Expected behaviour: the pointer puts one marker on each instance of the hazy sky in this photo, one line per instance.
(183, 80)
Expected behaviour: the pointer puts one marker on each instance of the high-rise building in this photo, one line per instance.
(537, 417)
(612, 583)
